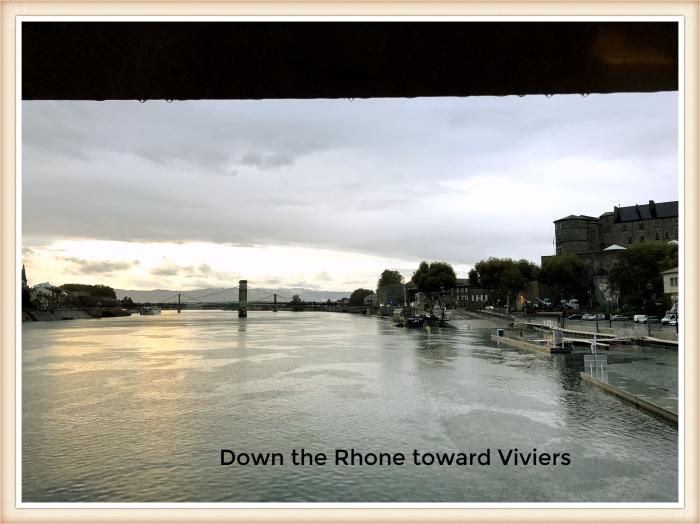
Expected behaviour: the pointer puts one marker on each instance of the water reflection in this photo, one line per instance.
(137, 409)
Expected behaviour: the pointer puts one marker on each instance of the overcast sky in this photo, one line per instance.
(325, 194)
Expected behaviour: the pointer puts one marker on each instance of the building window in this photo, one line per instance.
(641, 226)
(624, 227)
(675, 221)
(607, 229)
(674, 281)
(607, 219)
(558, 239)
(557, 226)
(641, 239)
(558, 251)
(666, 235)
(657, 236)
(657, 223)
(629, 240)
(675, 235)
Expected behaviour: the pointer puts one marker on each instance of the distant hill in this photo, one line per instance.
(220, 295)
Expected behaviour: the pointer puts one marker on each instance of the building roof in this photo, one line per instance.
(577, 217)
(648, 211)
(673, 270)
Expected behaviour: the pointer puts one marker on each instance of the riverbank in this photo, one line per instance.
(39, 315)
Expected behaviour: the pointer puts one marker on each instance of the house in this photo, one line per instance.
(465, 296)
(391, 295)
(671, 283)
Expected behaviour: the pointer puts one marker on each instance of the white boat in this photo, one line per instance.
(150, 310)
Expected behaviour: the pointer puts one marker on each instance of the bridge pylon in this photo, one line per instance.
(242, 298)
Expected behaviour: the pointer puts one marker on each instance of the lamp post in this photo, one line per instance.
(610, 311)
(563, 313)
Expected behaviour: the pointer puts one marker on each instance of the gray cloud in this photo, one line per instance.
(372, 176)
(265, 162)
(98, 266)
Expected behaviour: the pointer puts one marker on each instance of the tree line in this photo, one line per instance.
(636, 277)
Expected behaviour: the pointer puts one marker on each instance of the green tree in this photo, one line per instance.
(434, 278)
(389, 277)
(127, 302)
(637, 274)
(96, 290)
(488, 274)
(567, 274)
(502, 277)
(297, 303)
(529, 270)
(513, 281)
(358, 296)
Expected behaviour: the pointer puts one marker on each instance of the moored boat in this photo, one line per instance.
(414, 321)
(150, 310)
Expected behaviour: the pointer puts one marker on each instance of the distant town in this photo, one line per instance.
(622, 262)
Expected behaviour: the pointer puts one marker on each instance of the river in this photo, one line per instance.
(138, 409)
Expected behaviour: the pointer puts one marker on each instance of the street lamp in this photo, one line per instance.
(610, 310)
(563, 312)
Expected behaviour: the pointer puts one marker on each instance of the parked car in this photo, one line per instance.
(585, 316)
(640, 318)
(599, 316)
(575, 316)
(488, 307)
(667, 319)
(619, 317)
(673, 322)
(648, 319)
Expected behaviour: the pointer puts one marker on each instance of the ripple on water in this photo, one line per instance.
(142, 414)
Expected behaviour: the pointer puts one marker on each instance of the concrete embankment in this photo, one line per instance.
(649, 398)
(33, 315)
(529, 345)
(638, 334)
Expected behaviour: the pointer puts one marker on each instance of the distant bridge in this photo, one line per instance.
(229, 298)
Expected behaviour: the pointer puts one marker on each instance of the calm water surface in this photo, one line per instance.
(137, 409)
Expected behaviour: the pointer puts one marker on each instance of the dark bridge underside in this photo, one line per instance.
(255, 60)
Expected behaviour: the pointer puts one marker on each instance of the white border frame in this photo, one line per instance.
(351, 505)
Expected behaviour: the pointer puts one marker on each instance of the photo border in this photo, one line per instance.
(11, 209)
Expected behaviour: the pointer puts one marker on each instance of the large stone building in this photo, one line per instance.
(624, 226)
(599, 240)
